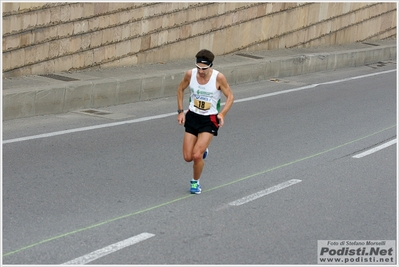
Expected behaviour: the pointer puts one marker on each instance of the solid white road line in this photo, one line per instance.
(108, 250)
(264, 192)
(170, 114)
(371, 151)
(310, 86)
(87, 128)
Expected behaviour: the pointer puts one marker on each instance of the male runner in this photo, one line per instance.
(203, 117)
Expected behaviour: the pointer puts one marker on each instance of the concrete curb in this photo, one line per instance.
(37, 95)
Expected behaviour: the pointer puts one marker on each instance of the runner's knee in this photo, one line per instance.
(187, 157)
(197, 156)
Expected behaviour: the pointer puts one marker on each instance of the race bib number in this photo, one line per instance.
(202, 104)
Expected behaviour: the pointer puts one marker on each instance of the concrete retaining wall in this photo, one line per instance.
(53, 37)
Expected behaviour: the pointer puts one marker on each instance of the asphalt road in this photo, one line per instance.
(285, 171)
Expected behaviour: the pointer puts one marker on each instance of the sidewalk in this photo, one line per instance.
(65, 92)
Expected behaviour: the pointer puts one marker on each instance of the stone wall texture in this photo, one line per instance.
(53, 37)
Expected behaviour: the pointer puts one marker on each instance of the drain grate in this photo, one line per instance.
(380, 64)
(250, 56)
(96, 112)
(370, 44)
(59, 77)
(104, 114)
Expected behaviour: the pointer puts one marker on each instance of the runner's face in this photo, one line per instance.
(203, 69)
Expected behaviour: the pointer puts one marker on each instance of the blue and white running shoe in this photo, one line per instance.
(195, 187)
(205, 153)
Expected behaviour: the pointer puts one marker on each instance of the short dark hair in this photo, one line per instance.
(206, 54)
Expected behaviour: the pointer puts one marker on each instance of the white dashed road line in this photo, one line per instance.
(108, 250)
(375, 149)
(264, 192)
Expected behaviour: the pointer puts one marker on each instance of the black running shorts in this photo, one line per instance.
(196, 123)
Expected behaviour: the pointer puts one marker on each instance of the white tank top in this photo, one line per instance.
(204, 98)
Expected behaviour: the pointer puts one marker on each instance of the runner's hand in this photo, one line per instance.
(221, 120)
(180, 118)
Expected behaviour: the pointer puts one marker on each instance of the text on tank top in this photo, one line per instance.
(204, 98)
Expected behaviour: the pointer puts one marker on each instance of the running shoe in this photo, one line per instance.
(195, 187)
(205, 153)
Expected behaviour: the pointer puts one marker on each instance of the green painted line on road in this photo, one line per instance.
(190, 195)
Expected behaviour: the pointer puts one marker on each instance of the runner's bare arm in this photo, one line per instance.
(180, 95)
(225, 88)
